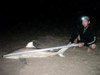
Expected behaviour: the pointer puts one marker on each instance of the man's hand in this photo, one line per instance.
(81, 44)
(69, 44)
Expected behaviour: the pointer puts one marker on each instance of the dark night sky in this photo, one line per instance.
(47, 13)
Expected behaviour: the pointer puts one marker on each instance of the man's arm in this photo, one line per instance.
(93, 38)
(74, 35)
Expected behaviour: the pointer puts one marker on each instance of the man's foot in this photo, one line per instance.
(89, 49)
(74, 48)
(93, 46)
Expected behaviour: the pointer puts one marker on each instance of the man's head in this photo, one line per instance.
(85, 21)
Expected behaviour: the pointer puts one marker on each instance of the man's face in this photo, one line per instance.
(85, 23)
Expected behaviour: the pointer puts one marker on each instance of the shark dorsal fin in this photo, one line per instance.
(30, 45)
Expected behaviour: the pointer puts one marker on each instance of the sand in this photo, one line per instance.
(77, 62)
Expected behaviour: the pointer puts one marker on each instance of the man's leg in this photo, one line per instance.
(92, 46)
(75, 41)
(78, 38)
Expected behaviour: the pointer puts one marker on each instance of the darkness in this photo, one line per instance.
(47, 15)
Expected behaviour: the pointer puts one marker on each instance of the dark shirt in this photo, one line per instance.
(87, 36)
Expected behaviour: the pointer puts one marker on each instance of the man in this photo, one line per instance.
(84, 35)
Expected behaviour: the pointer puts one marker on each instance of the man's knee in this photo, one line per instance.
(93, 46)
(78, 38)
(81, 44)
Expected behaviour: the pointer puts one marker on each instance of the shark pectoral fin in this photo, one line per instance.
(23, 60)
(61, 55)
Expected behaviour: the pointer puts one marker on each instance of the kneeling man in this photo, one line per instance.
(84, 35)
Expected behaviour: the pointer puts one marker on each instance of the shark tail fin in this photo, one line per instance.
(30, 45)
(61, 51)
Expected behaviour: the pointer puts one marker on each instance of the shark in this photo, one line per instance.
(30, 51)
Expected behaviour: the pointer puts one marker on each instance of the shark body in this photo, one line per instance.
(30, 51)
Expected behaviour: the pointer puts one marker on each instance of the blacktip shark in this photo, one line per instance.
(30, 51)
